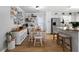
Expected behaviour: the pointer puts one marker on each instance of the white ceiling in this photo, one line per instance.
(32, 9)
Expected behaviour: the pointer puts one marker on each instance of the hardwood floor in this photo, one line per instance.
(50, 47)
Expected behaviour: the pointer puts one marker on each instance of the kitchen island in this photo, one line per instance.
(74, 33)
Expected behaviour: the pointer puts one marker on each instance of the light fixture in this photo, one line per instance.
(37, 6)
(70, 13)
(56, 13)
(63, 13)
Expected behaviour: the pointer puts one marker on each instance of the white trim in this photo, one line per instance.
(4, 50)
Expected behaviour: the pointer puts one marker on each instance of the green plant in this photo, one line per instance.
(75, 24)
(8, 33)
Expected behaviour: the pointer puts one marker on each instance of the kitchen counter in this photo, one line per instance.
(18, 30)
(70, 29)
(74, 33)
(20, 36)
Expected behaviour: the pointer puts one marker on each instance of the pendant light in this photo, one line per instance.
(70, 13)
(63, 13)
(37, 6)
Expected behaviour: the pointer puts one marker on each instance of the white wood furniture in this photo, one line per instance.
(39, 36)
(20, 36)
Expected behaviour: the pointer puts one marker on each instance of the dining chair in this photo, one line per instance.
(38, 38)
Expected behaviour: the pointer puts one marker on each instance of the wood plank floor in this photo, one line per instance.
(50, 47)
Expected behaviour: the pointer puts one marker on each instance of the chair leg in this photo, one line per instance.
(41, 42)
(29, 38)
(45, 43)
(53, 37)
(63, 44)
(34, 42)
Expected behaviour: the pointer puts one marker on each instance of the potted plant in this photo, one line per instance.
(9, 36)
(75, 24)
(10, 40)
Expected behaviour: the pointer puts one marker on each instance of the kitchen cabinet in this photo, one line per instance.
(20, 36)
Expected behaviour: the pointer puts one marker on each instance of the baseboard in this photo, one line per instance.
(4, 50)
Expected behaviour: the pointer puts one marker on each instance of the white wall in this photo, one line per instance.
(73, 17)
(77, 17)
(48, 22)
(5, 25)
(40, 21)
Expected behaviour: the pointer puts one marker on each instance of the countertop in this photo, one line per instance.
(19, 30)
(68, 29)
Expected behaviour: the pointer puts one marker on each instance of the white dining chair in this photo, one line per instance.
(38, 36)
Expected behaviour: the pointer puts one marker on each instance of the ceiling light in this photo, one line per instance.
(70, 13)
(56, 13)
(63, 13)
(37, 6)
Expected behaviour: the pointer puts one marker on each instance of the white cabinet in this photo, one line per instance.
(77, 18)
(20, 36)
(67, 18)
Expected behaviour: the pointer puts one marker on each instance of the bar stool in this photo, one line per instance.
(65, 41)
(55, 36)
(59, 40)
